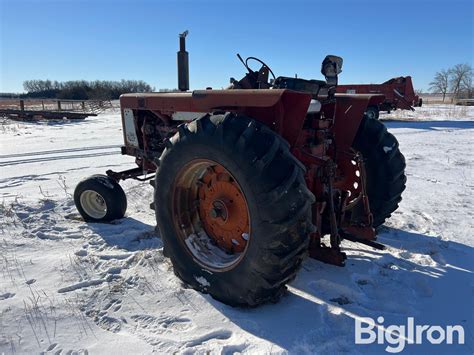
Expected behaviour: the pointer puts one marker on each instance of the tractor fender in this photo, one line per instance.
(349, 113)
(348, 117)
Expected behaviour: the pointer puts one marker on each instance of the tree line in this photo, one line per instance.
(82, 89)
(456, 80)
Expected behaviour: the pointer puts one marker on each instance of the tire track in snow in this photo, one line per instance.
(80, 285)
(61, 157)
(70, 150)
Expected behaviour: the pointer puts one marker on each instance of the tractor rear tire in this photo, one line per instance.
(268, 181)
(100, 198)
(384, 166)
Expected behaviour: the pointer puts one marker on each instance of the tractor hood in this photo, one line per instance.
(205, 100)
(282, 110)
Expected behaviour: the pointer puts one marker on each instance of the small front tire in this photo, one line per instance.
(100, 198)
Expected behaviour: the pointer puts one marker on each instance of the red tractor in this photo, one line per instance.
(251, 179)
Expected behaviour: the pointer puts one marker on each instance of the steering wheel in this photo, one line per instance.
(259, 61)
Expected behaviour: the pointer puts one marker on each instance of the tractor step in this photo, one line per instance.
(370, 243)
(328, 255)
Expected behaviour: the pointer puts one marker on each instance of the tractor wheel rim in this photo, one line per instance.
(354, 187)
(211, 214)
(93, 204)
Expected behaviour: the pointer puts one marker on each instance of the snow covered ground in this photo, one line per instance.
(70, 287)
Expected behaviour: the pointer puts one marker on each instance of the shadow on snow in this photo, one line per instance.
(422, 277)
(429, 125)
(128, 234)
(310, 318)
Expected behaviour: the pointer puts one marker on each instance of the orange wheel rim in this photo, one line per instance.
(223, 209)
(210, 214)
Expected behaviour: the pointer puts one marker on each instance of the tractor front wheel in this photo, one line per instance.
(233, 209)
(100, 198)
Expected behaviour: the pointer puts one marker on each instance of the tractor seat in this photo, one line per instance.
(296, 84)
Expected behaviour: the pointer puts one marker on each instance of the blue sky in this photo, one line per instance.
(111, 40)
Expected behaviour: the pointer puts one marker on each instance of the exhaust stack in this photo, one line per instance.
(183, 63)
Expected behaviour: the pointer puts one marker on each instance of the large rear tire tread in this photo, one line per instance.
(278, 200)
(385, 168)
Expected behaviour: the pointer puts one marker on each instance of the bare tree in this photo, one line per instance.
(84, 90)
(468, 88)
(38, 85)
(440, 83)
(461, 75)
